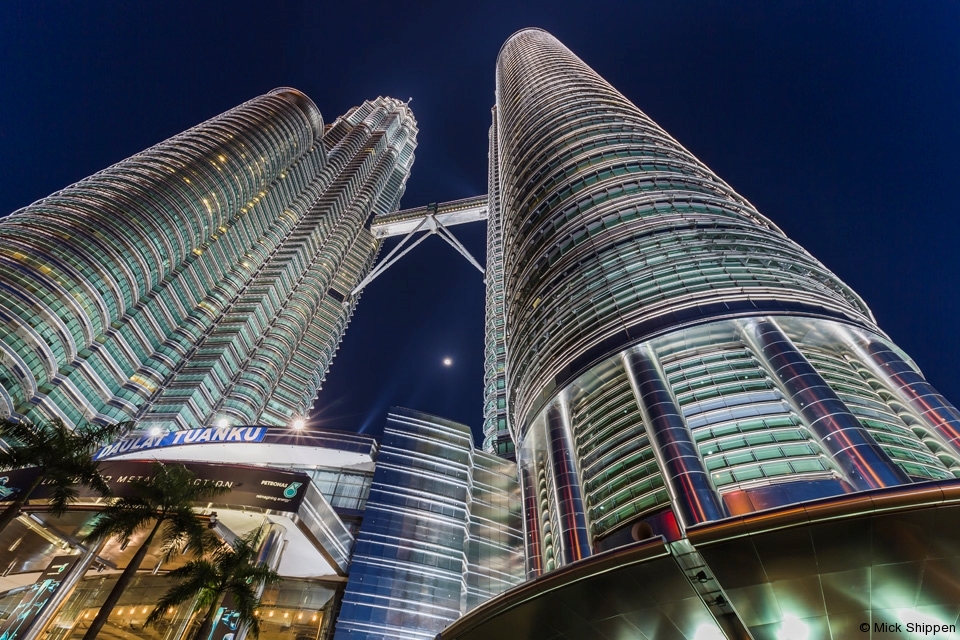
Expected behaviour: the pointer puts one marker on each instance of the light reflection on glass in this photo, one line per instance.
(793, 628)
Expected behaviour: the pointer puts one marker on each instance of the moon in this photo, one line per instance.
(447, 362)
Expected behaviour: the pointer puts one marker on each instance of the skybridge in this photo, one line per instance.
(432, 219)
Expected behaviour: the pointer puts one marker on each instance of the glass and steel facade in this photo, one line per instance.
(293, 609)
(496, 430)
(671, 357)
(440, 535)
(675, 393)
(204, 279)
(206, 282)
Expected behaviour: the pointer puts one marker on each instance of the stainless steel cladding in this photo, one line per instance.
(441, 533)
(671, 357)
(613, 232)
(206, 279)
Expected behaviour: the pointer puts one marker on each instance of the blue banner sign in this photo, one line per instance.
(176, 438)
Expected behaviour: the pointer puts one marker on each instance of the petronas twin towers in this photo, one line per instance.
(206, 279)
(665, 344)
(659, 355)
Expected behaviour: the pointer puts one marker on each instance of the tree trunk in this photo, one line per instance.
(13, 510)
(120, 587)
(207, 625)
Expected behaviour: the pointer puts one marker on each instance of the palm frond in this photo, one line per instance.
(197, 567)
(28, 444)
(63, 456)
(121, 520)
(20, 446)
(246, 601)
(95, 481)
(167, 494)
(61, 495)
(177, 594)
(182, 532)
(91, 437)
(172, 486)
(262, 574)
(228, 568)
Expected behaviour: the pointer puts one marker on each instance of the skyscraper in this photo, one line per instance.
(671, 354)
(714, 437)
(496, 430)
(205, 279)
(205, 282)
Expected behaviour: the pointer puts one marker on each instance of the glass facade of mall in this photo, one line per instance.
(309, 544)
(395, 539)
(206, 279)
(294, 609)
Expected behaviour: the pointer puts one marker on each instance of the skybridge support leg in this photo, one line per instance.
(453, 242)
(431, 226)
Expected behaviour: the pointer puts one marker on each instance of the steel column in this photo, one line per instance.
(574, 541)
(842, 436)
(272, 544)
(531, 519)
(910, 386)
(694, 499)
(63, 593)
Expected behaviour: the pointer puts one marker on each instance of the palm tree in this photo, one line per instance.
(229, 569)
(166, 499)
(63, 458)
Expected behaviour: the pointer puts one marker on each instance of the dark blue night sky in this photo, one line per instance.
(838, 120)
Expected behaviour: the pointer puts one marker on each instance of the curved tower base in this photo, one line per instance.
(832, 568)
